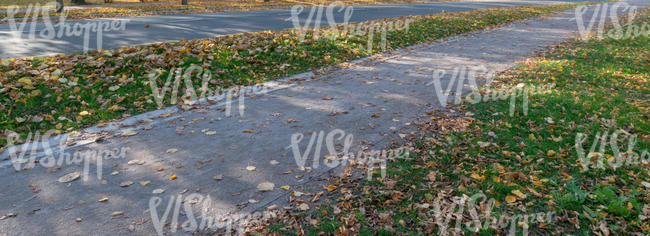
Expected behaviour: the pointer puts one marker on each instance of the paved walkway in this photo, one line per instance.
(373, 100)
(150, 29)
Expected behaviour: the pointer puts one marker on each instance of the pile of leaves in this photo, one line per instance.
(526, 163)
(68, 92)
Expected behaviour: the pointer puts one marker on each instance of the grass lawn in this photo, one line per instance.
(69, 92)
(527, 164)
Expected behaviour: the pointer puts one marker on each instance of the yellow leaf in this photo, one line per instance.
(518, 193)
(25, 81)
(285, 187)
(331, 188)
(511, 199)
(248, 131)
(476, 176)
(173, 177)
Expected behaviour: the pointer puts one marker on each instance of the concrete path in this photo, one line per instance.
(374, 100)
(149, 29)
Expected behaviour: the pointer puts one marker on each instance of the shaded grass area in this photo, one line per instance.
(68, 92)
(527, 164)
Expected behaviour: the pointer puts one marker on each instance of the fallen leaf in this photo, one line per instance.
(518, 193)
(172, 150)
(128, 132)
(646, 184)
(173, 177)
(331, 188)
(251, 168)
(135, 162)
(511, 199)
(218, 177)
(70, 177)
(285, 187)
(265, 187)
(303, 207)
(126, 184)
(144, 183)
(8, 216)
(483, 144)
(158, 191)
(476, 176)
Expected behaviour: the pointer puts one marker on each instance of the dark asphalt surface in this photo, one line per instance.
(16, 43)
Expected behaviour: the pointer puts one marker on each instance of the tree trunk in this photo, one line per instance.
(79, 2)
(59, 6)
(183, 2)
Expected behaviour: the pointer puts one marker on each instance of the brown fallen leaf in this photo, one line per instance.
(317, 197)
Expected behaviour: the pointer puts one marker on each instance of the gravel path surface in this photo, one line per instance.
(374, 100)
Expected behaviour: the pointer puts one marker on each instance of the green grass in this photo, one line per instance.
(69, 92)
(602, 85)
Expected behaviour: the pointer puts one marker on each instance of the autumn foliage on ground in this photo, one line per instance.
(517, 165)
(68, 92)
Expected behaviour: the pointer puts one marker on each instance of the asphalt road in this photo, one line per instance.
(16, 42)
